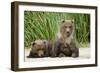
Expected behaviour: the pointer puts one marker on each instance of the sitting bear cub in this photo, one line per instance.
(65, 45)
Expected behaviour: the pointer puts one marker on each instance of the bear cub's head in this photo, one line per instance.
(39, 48)
(66, 28)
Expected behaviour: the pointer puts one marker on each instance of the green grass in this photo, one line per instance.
(44, 25)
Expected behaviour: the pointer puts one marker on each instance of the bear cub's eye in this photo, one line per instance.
(70, 26)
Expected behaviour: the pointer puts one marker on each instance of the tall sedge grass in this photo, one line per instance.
(44, 25)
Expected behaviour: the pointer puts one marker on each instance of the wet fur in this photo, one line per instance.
(40, 48)
(65, 45)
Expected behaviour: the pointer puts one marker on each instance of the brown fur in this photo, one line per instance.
(66, 30)
(39, 49)
(65, 43)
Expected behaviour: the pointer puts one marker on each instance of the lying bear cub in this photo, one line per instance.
(40, 48)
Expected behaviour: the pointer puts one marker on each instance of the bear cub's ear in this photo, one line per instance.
(63, 20)
(72, 21)
(44, 41)
(33, 43)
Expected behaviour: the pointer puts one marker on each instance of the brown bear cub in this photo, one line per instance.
(65, 45)
(39, 49)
